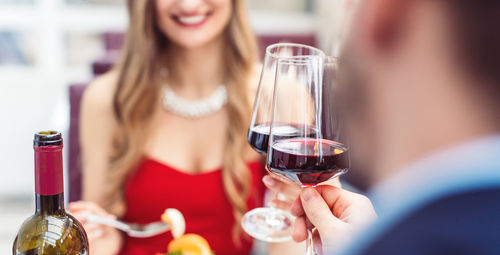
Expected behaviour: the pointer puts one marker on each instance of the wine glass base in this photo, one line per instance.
(269, 224)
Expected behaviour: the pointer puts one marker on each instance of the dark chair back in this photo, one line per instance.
(75, 166)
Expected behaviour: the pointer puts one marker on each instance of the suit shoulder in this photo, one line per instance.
(465, 223)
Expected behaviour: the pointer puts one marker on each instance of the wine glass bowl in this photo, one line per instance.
(309, 161)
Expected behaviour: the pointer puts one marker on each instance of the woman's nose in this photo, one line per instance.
(190, 6)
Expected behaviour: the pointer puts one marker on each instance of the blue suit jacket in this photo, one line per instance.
(467, 223)
(447, 203)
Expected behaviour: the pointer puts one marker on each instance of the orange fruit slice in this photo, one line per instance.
(190, 244)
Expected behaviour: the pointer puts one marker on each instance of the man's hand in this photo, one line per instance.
(337, 215)
(287, 191)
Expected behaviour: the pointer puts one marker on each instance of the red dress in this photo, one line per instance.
(201, 199)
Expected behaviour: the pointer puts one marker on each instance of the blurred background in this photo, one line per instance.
(49, 50)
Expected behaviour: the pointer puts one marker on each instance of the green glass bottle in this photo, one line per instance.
(51, 230)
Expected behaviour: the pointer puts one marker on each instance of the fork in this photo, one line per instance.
(131, 229)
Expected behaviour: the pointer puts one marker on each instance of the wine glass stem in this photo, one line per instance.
(310, 250)
(309, 243)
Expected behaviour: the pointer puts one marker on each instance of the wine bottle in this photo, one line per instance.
(50, 231)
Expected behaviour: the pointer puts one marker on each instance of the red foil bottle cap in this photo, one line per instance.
(48, 163)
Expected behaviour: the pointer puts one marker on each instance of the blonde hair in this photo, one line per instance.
(137, 96)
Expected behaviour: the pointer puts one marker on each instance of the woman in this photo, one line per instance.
(149, 143)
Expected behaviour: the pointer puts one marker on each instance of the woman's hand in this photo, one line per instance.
(287, 191)
(336, 213)
(103, 240)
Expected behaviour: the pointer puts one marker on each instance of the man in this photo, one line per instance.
(423, 91)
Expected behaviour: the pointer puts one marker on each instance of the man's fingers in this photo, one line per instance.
(297, 209)
(276, 185)
(317, 210)
(334, 182)
(300, 230)
(331, 194)
(279, 204)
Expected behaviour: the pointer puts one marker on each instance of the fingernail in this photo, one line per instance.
(309, 194)
(269, 181)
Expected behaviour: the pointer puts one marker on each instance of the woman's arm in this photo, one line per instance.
(97, 124)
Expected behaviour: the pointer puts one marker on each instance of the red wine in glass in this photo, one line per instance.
(258, 138)
(308, 161)
(258, 135)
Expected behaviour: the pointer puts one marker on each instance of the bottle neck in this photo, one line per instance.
(51, 204)
(49, 185)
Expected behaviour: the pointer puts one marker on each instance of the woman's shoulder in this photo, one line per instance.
(100, 91)
(97, 100)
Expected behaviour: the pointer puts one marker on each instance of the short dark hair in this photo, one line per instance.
(477, 31)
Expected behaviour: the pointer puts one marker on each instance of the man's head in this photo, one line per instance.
(420, 75)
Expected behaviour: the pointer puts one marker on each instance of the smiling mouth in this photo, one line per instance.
(191, 21)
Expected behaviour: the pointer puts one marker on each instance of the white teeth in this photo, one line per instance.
(192, 19)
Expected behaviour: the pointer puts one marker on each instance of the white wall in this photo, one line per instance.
(35, 97)
(26, 105)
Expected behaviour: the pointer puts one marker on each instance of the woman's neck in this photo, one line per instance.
(196, 72)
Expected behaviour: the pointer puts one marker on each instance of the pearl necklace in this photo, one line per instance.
(194, 109)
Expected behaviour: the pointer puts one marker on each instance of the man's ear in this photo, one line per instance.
(383, 22)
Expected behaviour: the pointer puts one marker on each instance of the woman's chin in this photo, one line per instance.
(191, 42)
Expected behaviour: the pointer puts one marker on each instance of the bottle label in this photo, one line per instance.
(48, 170)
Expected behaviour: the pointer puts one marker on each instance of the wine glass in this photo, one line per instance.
(258, 133)
(304, 97)
(268, 223)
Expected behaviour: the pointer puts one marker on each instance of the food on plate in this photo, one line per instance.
(189, 244)
(175, 220)
(183, 244)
